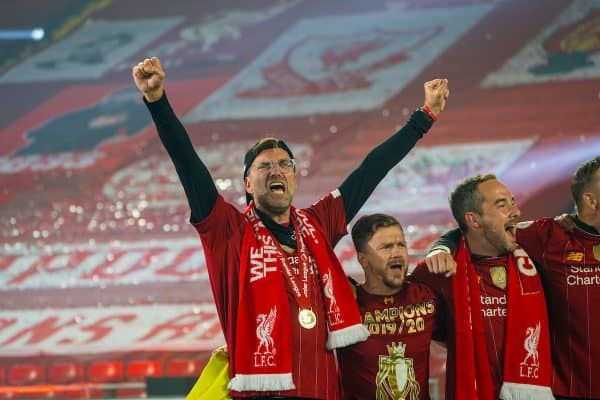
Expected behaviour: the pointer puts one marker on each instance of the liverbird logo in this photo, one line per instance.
(531, 345)
(530, 366)
(328, 292)
(264, 328)
(333, 310)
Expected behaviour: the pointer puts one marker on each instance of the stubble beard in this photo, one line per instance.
(394, 282)
(499, 241)
(272, 206)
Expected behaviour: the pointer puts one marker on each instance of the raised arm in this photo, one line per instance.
(195, 177)
(359, 185)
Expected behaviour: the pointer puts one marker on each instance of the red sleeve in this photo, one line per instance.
(533, 236)
(329, 212)
(221, 234)
(441, 285)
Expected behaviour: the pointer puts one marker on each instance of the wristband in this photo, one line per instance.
(427, 110)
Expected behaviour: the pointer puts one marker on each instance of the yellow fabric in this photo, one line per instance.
(212, 383)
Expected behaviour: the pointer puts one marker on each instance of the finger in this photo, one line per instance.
(148, 68)
(429, 262)
(451, 266)
(443, 265)
(436, 265)
(138, 71)
(156, 62)
(442, 88)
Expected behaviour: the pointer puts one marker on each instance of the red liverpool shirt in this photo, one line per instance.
(314, 369)
(493, 277)
(569, 265)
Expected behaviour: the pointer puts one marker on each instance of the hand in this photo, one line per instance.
(441, 262)
(148, 76)
(436, 94)
(565, 221)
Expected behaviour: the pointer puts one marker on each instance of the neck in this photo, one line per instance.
(590, 218)
(280, 218)
(380, 289)
(480, 246)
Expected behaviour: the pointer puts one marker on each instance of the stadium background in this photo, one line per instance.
(102, 280)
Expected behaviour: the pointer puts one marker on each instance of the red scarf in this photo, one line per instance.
(527, 362)
(263, 356)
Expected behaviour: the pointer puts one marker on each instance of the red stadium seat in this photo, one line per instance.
(130, 393)
(183, 367)
(66, 372)
(105, 371)
(2, 376)
(139, 370)
(74, 393)
(26, 374)
(93, 393)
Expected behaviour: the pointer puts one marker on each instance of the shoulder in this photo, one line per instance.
(331, 201)
(223, 214)
(536, 224)
(420, 291)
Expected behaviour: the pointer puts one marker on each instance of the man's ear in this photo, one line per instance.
(472, 219)
(590, 201)
(247, 184)
(362, 259)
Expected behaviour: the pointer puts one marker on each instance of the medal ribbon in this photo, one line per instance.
(302, 297)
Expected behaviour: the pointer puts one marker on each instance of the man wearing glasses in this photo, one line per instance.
(281, 294)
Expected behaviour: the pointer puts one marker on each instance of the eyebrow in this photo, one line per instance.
(274, 161)
(391, 243)
(504, 200)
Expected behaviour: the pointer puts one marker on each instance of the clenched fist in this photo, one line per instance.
(436, 94)
(148, 76)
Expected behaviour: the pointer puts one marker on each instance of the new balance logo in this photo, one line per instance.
(575, 256)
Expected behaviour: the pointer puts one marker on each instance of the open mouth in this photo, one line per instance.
(396, 265)
(277, 187)
(511, 230)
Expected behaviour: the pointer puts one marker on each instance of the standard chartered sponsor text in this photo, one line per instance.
(583, 276)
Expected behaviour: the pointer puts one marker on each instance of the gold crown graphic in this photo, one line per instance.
(396, 350)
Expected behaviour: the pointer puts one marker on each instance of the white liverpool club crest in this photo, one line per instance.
(333, 310)
(531, 363)
(263, 356)
(396, 376)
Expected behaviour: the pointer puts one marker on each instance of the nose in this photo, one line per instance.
(396, 252)
(515, 211)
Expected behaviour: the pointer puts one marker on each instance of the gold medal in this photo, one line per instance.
(307, 318)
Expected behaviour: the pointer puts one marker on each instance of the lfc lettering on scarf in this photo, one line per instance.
(529, 371)
(393, 320)
(263, 259)
(264, 360)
